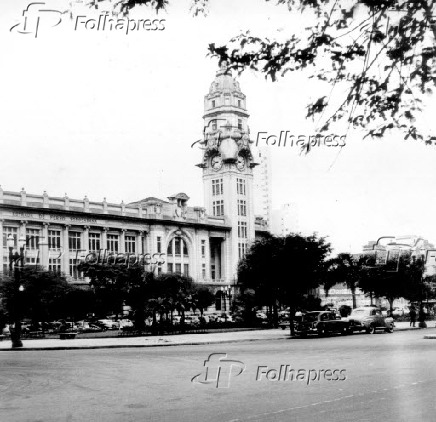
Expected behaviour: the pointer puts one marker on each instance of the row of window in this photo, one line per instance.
(74, 240)
(227, 102)
(217, 187)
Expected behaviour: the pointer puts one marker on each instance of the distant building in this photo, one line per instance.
(262, 184)
(285, 220)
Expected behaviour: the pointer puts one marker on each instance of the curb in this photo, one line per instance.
(132, 346)
(192, 343)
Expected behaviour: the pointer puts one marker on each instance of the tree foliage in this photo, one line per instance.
(44, 295)
(378, 57)
(283, 270)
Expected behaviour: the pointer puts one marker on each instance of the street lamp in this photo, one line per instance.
(17, 257)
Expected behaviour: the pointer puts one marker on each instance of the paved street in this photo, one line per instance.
(389, 377)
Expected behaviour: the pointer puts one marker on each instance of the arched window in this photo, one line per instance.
(178, 256)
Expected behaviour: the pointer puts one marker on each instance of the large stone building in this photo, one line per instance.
(204, 243)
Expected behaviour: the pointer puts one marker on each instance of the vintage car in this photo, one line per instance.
(321, 323)
(370, 319)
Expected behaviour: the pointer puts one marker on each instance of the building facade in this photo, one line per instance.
(285, 220)
(262, 184)
(205, 243)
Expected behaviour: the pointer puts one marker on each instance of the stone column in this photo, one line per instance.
(1, 246)
(104, 244)
(85, 245)
(139, 245)
(66, 251)
(43, 247)
(122, 248)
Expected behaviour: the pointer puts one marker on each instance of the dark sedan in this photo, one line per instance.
(322, 323)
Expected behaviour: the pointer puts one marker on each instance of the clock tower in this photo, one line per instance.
(228, 167)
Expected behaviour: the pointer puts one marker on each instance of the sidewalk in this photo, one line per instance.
(169, 340)
(147, 341)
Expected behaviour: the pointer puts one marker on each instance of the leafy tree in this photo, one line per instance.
(42, 298)
(203, 298)
(284, 270)
(378, 57)
(345, 269)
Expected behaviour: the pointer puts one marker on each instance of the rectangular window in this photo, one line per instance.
(214, 124)
(242, 249)
(212, 271)
(217, 187)
(94, 242)
(159, 244)
(203, 248)
(54, 264)
(170, 267)
(186, 270)
(32, 260)
(32, 238)
(178, 268)
(73, 269)
(242, 229)
(242, 207)
(112, 242)
(218, 208)
(240, 124)
(6, 232)
(74, 241)
(54, 240)
(203, 271)
(213, 103)
(129, 244)
(240, 186)
(177, 246)
(239, 103)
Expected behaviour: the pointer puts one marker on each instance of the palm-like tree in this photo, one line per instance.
(345, 269)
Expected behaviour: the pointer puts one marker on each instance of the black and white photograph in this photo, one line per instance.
(218, 210)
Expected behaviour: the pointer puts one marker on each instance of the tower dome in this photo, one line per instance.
(224, 82)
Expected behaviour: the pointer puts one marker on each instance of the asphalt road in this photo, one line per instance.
(388, 377)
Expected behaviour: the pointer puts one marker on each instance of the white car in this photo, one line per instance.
(125, 323)
(109, 324)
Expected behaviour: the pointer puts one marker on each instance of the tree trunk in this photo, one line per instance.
(353, 295)
(275, 315)
(291, 321)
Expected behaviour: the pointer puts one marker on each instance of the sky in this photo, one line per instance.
(113, 115)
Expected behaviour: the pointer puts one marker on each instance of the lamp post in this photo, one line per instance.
(18, 288)
(18, 257)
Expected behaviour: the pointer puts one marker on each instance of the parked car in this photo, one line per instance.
(397, 311)
(125, 323)
(226, 318)
(108, 324)
(88, 327)
(370, 319)
(321, 323)
(192, 320)
(176, 319)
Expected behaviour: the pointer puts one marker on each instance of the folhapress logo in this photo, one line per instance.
(37, 16)
(219, 370)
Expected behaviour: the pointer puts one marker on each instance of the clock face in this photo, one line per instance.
(216, 162)
(241, 163)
